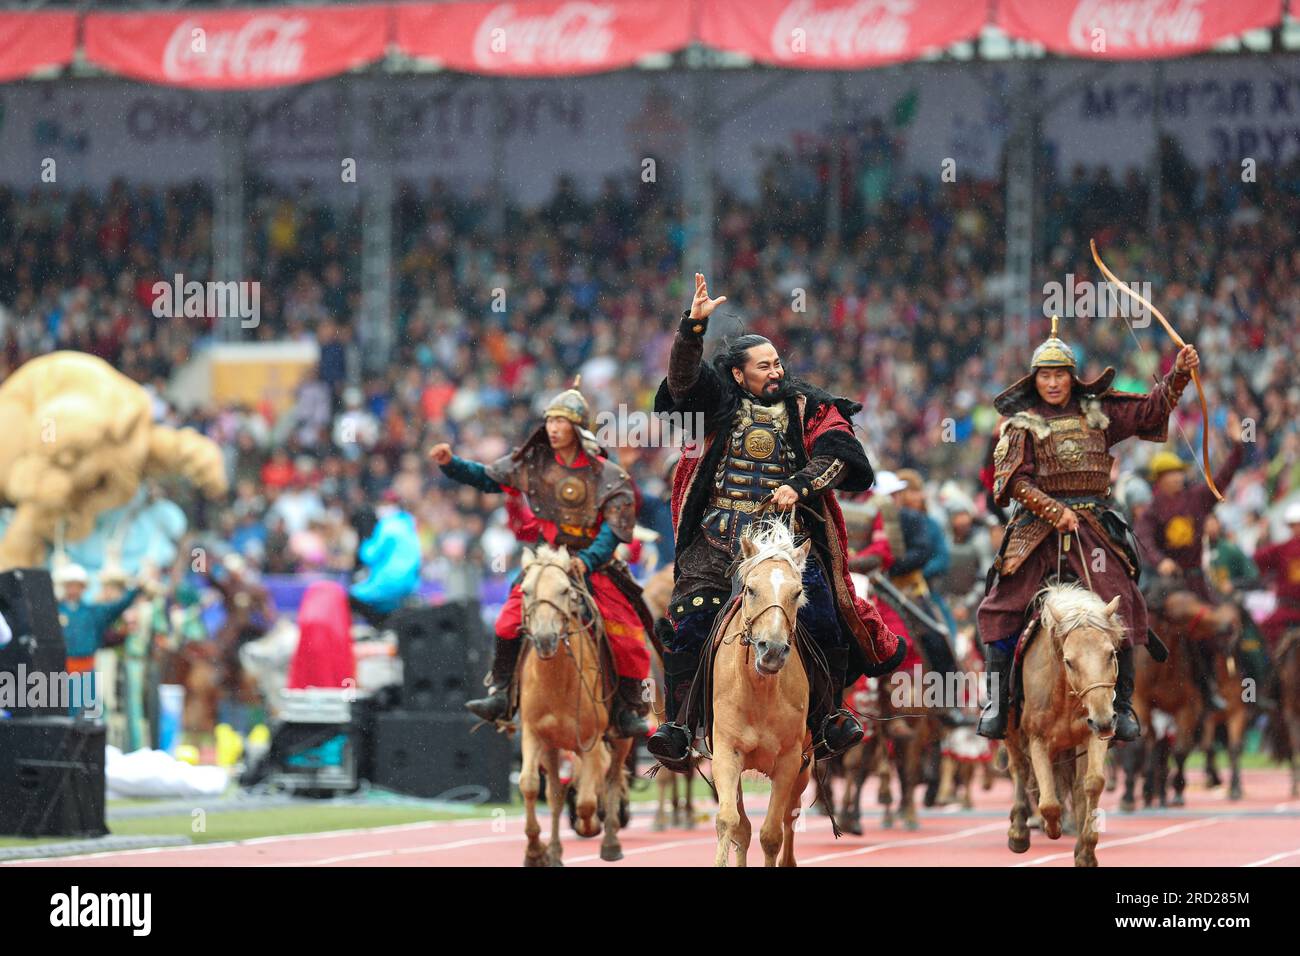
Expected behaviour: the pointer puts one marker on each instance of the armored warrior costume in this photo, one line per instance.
(1050, 458)
(587, 505)
(798, 437)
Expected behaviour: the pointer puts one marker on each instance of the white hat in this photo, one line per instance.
(1292, 513)
(70, 574)
(887, 483)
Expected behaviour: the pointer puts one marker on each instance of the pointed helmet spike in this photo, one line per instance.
(1053, 353)
(577, 381)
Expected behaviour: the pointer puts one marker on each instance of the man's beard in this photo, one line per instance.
(784, 389)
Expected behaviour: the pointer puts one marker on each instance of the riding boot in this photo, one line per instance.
(835, 729)
(997, 676)
(630, 709)
(496, 705)
(1127, 726)
(1203, 666)
(670, 744)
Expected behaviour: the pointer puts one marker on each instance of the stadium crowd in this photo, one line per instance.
(901, 310)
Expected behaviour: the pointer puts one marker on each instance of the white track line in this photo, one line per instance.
(893, 844)
(654, 848)
(1141, 838)
(1273, 859)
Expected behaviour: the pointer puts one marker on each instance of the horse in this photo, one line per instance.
(1287, 662)
(1171, 687)
(760, 696)
(1068, 672)
(563, 707)
(674, 789)
(867, 759)
(1234, 720)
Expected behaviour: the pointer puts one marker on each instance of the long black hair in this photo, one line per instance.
(733, 353)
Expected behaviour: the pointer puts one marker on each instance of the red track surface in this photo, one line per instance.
(1261, 830)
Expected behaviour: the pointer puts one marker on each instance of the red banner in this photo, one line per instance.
(241, 49)
(838, 34)
(30, 41)
(1133, 29)
(543, 37)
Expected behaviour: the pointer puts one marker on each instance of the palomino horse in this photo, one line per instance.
(1171, 687)
(562, 706)
(760, 696)
(1068, 675)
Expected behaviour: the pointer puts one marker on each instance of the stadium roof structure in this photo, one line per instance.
(246, 46)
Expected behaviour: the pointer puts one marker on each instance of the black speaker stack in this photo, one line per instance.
(51, 764)
(423, 747)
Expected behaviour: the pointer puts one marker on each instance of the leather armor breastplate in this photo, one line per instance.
(1072, 460)
(568, 498)
(757, 461)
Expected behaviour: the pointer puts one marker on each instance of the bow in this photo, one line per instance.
(1178, 341)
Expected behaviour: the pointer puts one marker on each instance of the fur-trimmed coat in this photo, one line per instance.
(819, 427)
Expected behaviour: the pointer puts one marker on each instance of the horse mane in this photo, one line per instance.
(772, 539)
(1067, 607)
(545, 554)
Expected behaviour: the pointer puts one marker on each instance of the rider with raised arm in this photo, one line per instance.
(580, 500)
(1053, 461)
(769, 440)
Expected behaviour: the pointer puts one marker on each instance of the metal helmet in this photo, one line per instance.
(571, 404)
(1053, 353)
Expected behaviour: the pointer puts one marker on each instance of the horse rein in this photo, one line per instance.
(572, 622)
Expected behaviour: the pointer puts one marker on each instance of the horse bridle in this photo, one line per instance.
(566, 614)
(747, 622)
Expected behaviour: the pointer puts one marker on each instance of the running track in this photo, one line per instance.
(1261, 830)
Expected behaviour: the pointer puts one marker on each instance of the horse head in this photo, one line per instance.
(549, 598)
(1087, 634)
(770, 580)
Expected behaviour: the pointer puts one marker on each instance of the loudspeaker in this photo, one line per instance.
(429, 754)
(443, 651)
(52, 777)
(32, 614)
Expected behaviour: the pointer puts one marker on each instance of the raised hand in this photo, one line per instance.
(702, 306)
(441, 453)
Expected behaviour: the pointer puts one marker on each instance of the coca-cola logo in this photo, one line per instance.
(861, 30)
(262, 47)
(1136, 23)
(572, 33)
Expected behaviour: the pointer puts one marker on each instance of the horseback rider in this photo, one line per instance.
(1172, 534)
(1053, 461)
(768, 440)
(580, 500)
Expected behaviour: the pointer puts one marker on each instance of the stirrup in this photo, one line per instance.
(670, 735)
(822, 749)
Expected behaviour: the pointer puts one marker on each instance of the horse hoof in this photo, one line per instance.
(659, 826)
(611, 853)
(539, 860)
(911, 825)
(1178, 801)
(1128, 805)
(1087, 862)
(1234, 792)
(887, 823)
(1018, 845)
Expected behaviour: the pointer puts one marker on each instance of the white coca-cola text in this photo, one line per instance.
(262, 47)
